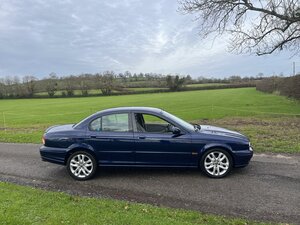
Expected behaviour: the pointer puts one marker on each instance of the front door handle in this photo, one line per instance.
(101, 137)
(142, 137)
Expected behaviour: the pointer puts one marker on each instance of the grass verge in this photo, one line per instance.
(25, 205)
(272, 122)
(273, 134)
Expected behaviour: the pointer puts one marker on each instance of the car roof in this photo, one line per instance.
(131, 109)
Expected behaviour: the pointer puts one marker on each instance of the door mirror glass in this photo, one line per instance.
(176, 130)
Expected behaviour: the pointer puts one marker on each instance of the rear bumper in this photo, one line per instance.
(242, 158)
(54, 155)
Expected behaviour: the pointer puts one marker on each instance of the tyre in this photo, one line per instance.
(81, 165)
(216, 163)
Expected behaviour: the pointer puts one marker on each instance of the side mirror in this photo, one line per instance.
(176, 130)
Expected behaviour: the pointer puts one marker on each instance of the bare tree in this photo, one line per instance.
(175, 83)
(8, 82)
(2, 88)
(235, 79)
(29, 84)
(17, 88)
(70, 85)
(255, 26)
(84, 87)
(106, 82)
(51, 84)
(84, 84)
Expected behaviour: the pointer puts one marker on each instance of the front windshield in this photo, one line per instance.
(181, 122)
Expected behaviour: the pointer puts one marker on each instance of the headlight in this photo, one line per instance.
(43, 140)
(250, 148)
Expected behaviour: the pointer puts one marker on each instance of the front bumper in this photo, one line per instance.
(54, 155)
(242, 158)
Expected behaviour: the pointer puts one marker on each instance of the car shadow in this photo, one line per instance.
(61, 173)
(136, 172)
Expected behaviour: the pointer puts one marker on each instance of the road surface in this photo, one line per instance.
(268, 189)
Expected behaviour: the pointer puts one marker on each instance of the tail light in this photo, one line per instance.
(43, 140)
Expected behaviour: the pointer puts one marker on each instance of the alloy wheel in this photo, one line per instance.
(81, 166)
(216, 163)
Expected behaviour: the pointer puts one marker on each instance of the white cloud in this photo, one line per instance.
(71, 37)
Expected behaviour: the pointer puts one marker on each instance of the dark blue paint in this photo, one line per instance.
(143, 149)
(163, 149)
(112, 147)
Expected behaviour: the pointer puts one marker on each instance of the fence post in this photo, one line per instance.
(4, 122)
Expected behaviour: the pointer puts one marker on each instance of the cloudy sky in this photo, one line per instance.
(38, 37)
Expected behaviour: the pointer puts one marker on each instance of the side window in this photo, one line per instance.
(115, 123)
(152, 124)
(95, 125)
(150, 119)
(112, 123)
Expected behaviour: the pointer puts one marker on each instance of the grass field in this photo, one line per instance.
(24, 205)
(24, 120)
(145, 89)
(206, 85)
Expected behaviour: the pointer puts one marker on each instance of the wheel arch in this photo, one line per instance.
(80, 147)
(225, 147)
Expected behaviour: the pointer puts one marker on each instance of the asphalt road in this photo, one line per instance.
(268, 189)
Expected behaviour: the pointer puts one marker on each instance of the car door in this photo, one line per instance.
(156, 146)
(112, 138)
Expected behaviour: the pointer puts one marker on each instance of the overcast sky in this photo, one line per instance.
(38, 37)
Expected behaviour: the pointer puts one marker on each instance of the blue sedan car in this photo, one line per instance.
(143, 137)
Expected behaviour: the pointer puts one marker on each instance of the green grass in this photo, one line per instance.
(145, 89)
(24, 120)
(205, 85)
(25, 205)
(267, 134)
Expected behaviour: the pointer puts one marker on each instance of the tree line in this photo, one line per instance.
(106, 83)
(287, 86)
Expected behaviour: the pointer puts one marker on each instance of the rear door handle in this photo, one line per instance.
(64, 139)
(142, 137)
(93, 136)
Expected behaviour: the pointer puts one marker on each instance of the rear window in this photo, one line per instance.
(111, 123)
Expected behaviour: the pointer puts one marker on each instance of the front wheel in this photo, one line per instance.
(216, 163)
(81, 165)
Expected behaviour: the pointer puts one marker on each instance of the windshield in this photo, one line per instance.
(181, 122)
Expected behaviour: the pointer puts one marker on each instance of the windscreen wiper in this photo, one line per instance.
(196, 126)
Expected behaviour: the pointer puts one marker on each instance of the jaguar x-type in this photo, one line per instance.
(143, 137)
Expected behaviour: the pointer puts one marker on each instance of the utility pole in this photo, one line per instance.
(294, 68)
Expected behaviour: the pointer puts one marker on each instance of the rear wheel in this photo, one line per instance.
(81, 165)
(216, 163)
